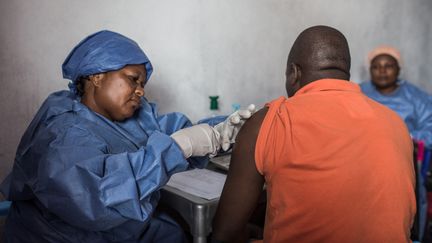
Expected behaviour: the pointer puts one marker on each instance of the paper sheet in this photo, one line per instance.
(203, 183)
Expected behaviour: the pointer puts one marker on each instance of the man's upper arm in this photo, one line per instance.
(243, 185)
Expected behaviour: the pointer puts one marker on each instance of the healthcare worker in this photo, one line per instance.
(91, 163)
(412, 104)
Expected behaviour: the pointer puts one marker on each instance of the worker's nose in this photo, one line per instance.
(139, 91)
(382, 69)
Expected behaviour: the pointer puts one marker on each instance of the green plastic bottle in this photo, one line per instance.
(214, 105)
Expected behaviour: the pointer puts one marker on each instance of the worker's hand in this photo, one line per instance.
(229, 128)
(198, 140)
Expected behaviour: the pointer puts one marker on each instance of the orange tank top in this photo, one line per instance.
(338, 167)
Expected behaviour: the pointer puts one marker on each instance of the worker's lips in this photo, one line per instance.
(382, 79)
(135, 103)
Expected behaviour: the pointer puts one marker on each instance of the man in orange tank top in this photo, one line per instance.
(337, 165)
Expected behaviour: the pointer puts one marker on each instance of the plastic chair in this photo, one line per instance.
(420, 221)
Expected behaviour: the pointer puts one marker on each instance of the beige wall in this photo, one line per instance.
(233, 48)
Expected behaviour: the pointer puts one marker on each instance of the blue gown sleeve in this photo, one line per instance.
(82, 183)
(172, 122)
(423, 128)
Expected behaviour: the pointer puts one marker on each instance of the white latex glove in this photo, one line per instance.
(198, 140)
(229, 128)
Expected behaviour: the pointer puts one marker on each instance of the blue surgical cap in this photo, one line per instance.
(101, 52)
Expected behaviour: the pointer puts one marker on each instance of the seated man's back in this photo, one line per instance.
(337, 170)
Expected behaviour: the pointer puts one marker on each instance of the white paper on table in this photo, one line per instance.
(199, 182)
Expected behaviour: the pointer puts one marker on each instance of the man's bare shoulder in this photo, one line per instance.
(250, 130)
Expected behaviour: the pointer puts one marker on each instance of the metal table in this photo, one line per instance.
(196, 211)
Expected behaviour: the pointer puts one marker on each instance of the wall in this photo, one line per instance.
(236, 49)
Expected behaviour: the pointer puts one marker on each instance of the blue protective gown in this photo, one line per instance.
(413, 105)
(79, 177)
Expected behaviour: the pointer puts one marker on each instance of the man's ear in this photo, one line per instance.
(96, 79)
(295, 75)
(293, 78)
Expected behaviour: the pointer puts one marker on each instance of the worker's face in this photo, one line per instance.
(120, 92)
(384, 71)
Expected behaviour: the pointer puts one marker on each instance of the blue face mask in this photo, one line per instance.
(101, 52)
